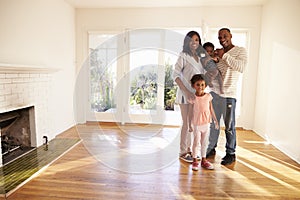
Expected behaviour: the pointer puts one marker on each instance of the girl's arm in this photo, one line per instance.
(212, 112)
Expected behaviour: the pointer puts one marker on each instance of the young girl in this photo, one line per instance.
(201, 111)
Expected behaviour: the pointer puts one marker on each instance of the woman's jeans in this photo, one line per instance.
(223, 107)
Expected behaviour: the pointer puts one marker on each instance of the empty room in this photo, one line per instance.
(99, 99)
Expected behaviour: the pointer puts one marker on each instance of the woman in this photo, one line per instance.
(187, 65)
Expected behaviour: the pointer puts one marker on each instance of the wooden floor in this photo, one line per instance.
(141, 162)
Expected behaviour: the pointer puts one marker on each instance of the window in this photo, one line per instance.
(102, 51)
(130, 75)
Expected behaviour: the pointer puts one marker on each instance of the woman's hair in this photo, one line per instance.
(198, 77)
(186, 42)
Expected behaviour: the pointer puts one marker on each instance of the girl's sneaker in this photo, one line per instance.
(207, 165)
(195, 166)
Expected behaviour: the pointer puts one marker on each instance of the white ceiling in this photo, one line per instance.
(160, 3)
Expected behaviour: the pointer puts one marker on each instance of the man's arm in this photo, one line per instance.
(237, 60)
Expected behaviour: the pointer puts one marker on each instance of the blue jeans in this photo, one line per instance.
(223, 107)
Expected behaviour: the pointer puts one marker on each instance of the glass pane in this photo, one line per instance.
(144, 45)
(103, 50)
(170, 88)
(173, 45)
(143, 81)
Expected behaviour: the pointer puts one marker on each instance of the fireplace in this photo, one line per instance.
(17, 133)
(26, 87)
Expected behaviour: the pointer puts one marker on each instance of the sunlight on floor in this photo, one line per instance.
(281, 161)
(268, 163)
(261, 166)
(256, 142)
(159, 142)
(268, 167)
(269, 176)
(247, 183)
(70, 165)
(180, 194)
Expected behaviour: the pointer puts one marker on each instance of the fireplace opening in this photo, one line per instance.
(16, 137)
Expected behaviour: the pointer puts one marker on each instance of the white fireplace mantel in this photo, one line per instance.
(16, 68)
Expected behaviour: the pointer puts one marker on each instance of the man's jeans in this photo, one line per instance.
(223, 107)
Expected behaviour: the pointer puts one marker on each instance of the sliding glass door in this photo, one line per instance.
(130, 76)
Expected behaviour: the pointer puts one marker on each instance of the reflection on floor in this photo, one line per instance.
(16, 172)
(10, 156)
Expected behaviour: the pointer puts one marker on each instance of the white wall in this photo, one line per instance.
(277, 112)
(247, 17)
(42, 33)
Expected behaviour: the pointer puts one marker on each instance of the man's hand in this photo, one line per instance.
(219, 53)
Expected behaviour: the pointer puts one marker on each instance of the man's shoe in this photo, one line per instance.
(187, 158)
(228, 159)
(211, 153)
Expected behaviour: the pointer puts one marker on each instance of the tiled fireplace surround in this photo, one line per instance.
(23, 87)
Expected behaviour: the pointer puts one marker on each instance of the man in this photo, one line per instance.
(231, 64)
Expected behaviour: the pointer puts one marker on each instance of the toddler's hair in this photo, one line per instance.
(208, 44)
(198, 77)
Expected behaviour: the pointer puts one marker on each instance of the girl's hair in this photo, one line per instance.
(198, 77)
(186, 42)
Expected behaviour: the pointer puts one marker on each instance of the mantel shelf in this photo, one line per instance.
(15, 68)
